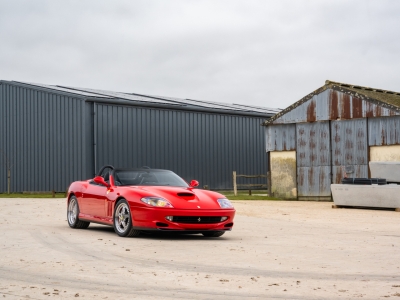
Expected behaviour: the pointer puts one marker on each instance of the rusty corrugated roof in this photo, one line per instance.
(388, 97)
(385, 98)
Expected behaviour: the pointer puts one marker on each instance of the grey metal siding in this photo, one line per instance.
(280, 137)
(43, 135)
(349, 148)
(384, 131)
(313, 159)
(52, 138)
(88, 140)
(3, 141)
(206, 147)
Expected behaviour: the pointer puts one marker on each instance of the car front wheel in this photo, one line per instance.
(123, 220)
(73, 215)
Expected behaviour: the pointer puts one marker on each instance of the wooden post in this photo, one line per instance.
(234, 184)
(54, 193)
(8, 180)
(249, 192)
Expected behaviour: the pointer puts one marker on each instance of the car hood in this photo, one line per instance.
(184, 198)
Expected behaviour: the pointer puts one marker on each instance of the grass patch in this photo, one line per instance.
(244, 195)
(25, 195)
(248, 197)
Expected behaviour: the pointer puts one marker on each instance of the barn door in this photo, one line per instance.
(350, 150)
(313, 161)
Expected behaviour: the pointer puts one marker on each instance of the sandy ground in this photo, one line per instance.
(277, 250)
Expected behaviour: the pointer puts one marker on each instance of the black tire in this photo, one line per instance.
(122, 220)
(213, 233)
(73, 215)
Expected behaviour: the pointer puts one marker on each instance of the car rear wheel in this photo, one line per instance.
(123, 220)
(213, 233)
(73, 215)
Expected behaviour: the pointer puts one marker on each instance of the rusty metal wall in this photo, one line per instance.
(384, 131)
(313, 159)
(333, 105)
(333, 130)
(310, 111)
(313, 144)
(313, 182)
(359, 171)
(349, 148)
(280, 137)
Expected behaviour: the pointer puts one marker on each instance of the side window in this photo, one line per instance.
(106, 174)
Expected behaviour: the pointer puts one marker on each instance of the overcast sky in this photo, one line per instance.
(266, 53)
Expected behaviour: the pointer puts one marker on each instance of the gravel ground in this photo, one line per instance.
(277, 250)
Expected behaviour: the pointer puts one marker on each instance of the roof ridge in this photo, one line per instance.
(330, 82)
(384, 98)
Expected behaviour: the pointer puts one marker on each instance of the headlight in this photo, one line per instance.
(225, 203)
(156, 201)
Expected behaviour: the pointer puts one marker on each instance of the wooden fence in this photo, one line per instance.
(235, 185)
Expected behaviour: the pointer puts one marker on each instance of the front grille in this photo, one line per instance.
(196, 220)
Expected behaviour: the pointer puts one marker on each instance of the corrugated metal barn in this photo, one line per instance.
(336, 129)
(53, 135)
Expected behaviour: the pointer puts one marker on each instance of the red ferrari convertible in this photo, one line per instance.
(136, 200)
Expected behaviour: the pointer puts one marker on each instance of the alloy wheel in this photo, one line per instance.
(122, 217)
(72, 211)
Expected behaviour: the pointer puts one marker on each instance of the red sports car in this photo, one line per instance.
(136, 200)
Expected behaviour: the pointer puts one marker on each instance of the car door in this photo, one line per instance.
(95, 197)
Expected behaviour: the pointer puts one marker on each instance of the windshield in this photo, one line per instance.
(148, 177)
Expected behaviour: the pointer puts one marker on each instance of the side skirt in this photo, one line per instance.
(99, 220)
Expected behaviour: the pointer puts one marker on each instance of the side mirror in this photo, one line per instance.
(100, 180)
(194, 183)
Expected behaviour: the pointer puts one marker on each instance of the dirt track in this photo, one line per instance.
(282, 250)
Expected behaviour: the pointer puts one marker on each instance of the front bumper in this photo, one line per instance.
(149, 218)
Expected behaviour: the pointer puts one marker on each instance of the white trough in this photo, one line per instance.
(384, 196)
